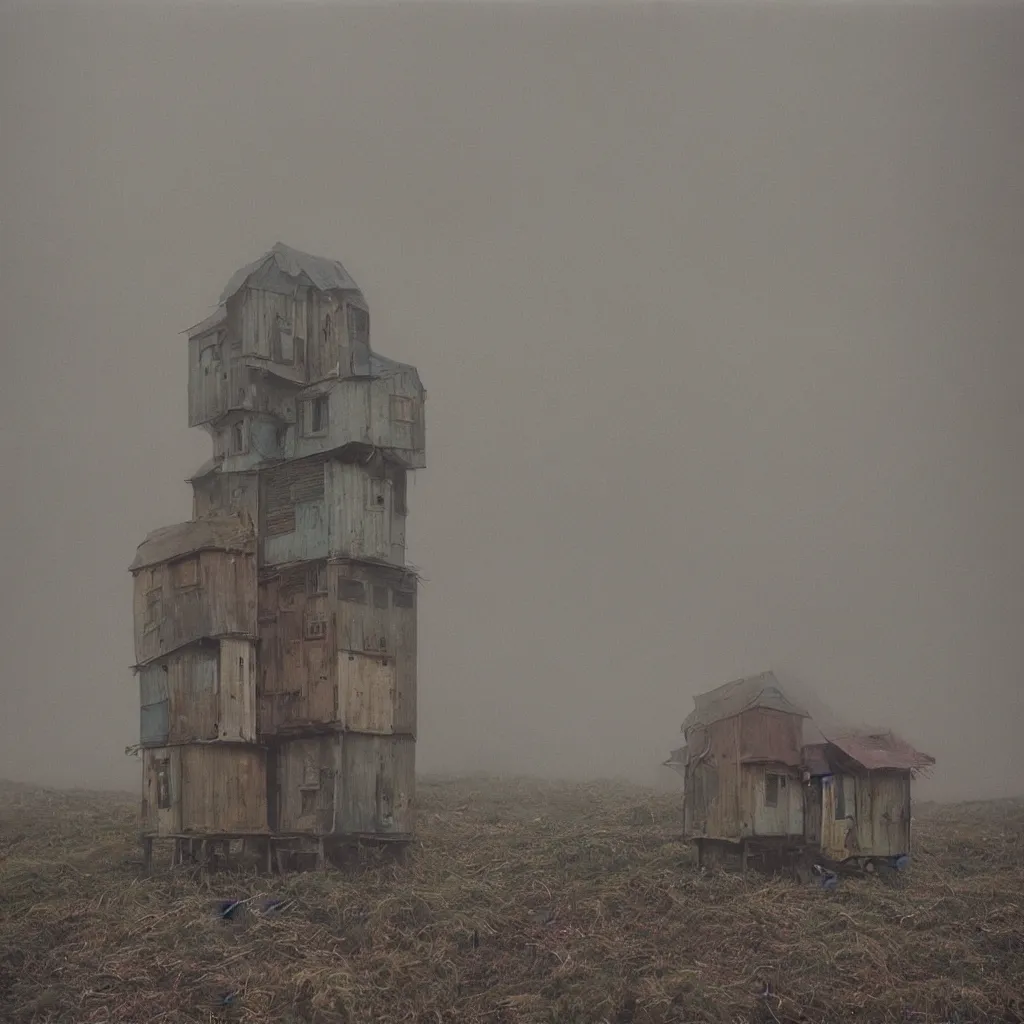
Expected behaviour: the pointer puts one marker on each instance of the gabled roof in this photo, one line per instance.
(218, 533)
(881, 751)
(760, 691)
(298, 268)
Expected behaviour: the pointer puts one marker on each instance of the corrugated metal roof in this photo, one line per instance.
(223, 533)
(880, 751)
(760, 691)
(323, 274)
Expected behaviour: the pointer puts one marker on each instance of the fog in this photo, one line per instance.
(718, 309)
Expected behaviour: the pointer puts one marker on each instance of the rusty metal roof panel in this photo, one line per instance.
(881, 751)
(224, 533)
(760, 691)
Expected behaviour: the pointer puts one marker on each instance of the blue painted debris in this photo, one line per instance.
(902, 862)
(228, 908)
(231, 910)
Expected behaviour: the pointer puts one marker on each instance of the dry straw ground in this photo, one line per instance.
(523, 902)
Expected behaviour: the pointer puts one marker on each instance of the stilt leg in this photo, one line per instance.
(743, 860)
(321, 858)
(269, 856)
(147, 855)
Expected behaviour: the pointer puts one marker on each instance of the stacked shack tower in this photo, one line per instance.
(275, 632)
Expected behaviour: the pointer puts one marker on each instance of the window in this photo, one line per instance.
(352, 590)
(358, 327)
(771, 789)
(399, 492)
(403, 598)
(316, 628)
(375, 497)
(238, 446)
(163, 784)
(186, 573)
(309, 796)
(380, 596)
(316, 579)
(403, 409)
(154, 608)
(316, 415)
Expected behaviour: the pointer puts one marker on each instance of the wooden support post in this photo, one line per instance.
(321, 859)
(269, 855)
(147, 854)
(743, 859)
(279, 856)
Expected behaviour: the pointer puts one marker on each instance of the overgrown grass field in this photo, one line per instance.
(521, 902)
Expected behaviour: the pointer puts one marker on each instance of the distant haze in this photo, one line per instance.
(719, 313)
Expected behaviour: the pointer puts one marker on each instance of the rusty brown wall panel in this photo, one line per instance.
(771, 736)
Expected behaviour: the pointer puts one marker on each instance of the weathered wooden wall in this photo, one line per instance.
(204, 788)
(866, 814)
(344, 784)
(204, 691)
(338, 648)
(318, 507)
(725, 779)
(227, 493)
(209, 594)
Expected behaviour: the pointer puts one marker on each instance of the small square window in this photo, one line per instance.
(403, 409)
(352, 590)
(317, 415)
(309, 800)
(316, 579)
(316, 629)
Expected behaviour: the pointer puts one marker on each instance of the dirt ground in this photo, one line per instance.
(521, 902)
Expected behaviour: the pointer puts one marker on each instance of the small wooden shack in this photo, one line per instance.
(858, 793)
(741, 768)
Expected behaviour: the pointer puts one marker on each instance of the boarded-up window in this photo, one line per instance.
(284, 486)
(309, 799)
(380, 596)
(403, 409)
(186, 573)
(316, 579)
(403, 598)
(352, 590)
(771, 789)
(163, 784)
(239, 444)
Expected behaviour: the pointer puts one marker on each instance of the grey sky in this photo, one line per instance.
(718, 310)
